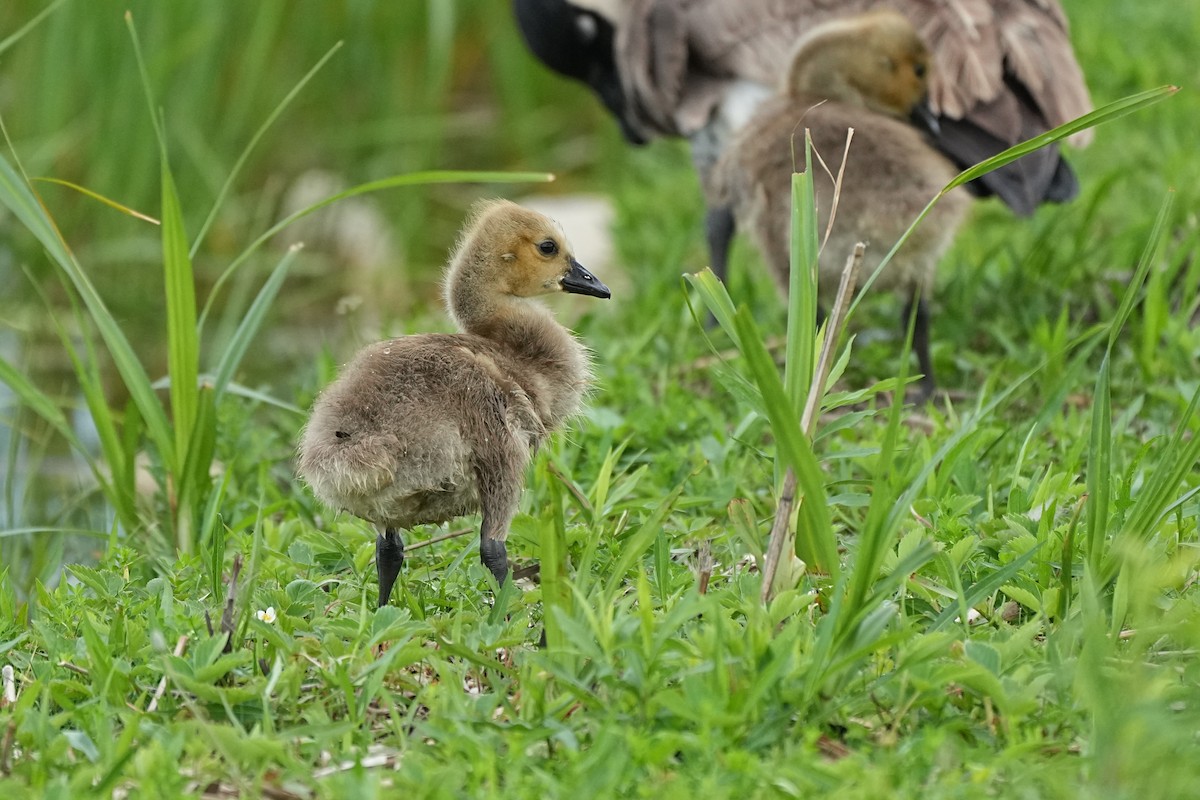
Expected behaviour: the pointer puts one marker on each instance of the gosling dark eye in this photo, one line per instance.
(548, 248)
(919, 70)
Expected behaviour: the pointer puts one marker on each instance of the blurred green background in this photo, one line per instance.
(418, 85)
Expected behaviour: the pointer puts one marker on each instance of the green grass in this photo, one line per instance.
(1055, 496)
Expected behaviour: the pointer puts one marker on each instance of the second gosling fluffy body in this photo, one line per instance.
(424, 428)
(869, 73)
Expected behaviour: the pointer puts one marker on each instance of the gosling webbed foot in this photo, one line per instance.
(389, 557)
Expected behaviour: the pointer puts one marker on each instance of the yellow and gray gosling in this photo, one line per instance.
(424, 428)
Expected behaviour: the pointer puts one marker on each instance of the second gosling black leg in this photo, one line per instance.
(719, 227)
(921, 343)
(389, 557)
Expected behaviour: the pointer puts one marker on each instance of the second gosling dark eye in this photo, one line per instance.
(919, 70)
(548, 248)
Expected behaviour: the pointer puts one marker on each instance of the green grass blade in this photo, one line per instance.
(193, 479)
(1177, 459)
(396, 181)
(39, 403)
(888, 507)
(1099, 477)
(815, 542)
(18, 197)
(34, 530)
(183, 345)
(848, 636)
(640, 541)
(239, 343)
(1146, 261)
(1106, 113)
(556, 594)
(877, 533)
(118, 484)
(254, 140)
(214, 535)
(122, 467)
(131, 443)
(800, 357)
(108, 201)
(716, 299)
(20, 33)
(238, 390)
(145, 77)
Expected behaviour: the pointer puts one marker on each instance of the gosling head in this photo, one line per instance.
(508, 252)
(875, 60)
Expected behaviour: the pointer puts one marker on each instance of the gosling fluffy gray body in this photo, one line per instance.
(865, 73)
(424, 428)
(401, 437)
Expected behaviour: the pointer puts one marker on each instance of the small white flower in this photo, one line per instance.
(973, 617)
(267, 616)
(10, 686)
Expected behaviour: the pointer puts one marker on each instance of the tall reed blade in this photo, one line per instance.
(183, 347)
(802, 286)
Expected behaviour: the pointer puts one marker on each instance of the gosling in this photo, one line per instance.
(869, 73)
(424, 428)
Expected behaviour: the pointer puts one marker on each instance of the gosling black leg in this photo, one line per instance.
(492, 551)
(921, 344)
(499, 474)
(389, 556)
(719, 226)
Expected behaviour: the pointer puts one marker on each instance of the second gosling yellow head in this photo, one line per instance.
(875, 60)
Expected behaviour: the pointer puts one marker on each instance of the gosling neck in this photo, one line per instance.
(523, 324)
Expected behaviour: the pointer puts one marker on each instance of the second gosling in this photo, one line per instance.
(870, 73)
(423, 428)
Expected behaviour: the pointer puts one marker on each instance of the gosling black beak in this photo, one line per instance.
(923, 117)
(579, 281)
